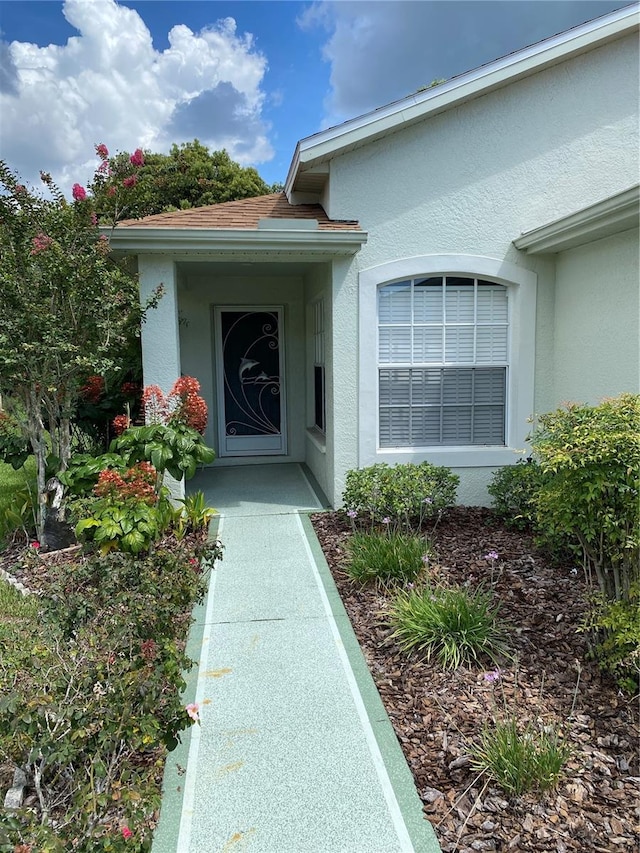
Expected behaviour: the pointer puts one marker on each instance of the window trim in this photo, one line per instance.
(522, 284)
(319, 341)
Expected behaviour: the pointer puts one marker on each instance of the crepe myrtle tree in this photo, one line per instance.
(67, 309)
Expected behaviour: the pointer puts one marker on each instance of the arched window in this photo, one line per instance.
(442, 362)
(446, 360)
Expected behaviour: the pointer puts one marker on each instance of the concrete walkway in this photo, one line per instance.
(294, 753)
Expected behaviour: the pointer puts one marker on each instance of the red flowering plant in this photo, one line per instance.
(172, 437)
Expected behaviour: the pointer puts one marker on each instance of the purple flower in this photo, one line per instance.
(410, 586)
(386, 520)
(352, 513)
(491, 555)
(427, 501)
(492, 677)
(425, 559)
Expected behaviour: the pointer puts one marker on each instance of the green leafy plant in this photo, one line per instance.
(195, 513)
(614, 627)
(520, 758)
(453, 625)
(385, 557)
(83, 471)
(177, 449)
(590, 456)
(19, 515)
(405, 494)
(14, 447)
(120, 525)
(90, 698)
(513, 489)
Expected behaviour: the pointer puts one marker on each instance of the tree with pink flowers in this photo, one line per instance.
(68, 310)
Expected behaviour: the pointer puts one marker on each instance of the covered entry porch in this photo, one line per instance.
(250, 312)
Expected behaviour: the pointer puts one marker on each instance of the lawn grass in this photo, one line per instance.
(19, 620)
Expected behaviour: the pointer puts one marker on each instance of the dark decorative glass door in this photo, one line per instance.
(250, 375)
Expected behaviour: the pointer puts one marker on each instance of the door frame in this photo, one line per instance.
(223, 450)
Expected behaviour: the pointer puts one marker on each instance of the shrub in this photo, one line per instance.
(519, 759)
(94, 702)
(514, 489)
(615, 631)
(384, 557)
(455, 626)
(406, 494)
(590, 456)
(14, 446)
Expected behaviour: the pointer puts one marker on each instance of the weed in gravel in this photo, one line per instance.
(385, 557)
(455, 626)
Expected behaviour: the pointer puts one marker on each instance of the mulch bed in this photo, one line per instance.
(596, 805)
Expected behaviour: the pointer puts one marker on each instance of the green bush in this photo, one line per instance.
(14, 445)
(385, 557)
(405, 494)
(175, 448)
(454, 625)
(94, 703)
(514, 489)
(615, 630)
(519, 760)
(590, 459)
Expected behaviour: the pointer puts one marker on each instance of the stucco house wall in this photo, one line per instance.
(472, 179)
(597, 311)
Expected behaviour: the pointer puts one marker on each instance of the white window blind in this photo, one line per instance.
(443, 361)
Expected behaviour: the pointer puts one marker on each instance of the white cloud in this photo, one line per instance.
(382, 51)
(110, 85)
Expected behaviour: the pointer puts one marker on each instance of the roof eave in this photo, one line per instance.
(132, 240)
(472, 84)
(617, 213)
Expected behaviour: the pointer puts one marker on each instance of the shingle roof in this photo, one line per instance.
(242, 214)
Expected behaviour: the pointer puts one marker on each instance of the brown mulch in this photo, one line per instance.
(435, 714)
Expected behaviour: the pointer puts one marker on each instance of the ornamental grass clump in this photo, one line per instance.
(452, 625)
(385, 557)
(520, 758)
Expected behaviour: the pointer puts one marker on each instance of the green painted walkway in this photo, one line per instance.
(295, 753)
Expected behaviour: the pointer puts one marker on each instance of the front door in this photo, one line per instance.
(250, 381)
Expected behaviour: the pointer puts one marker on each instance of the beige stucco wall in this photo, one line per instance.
(472, 180)
(597, 310)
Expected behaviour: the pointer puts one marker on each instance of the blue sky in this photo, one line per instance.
(253, 77)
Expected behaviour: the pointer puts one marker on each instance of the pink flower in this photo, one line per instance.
(192, 710)
(40, 243)
(137, 158)
(20, 188)
(94, 219)
(130, 181)
(126, 833)
(102, 151)
(35, 545)
(111, 191)
(78, 192)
